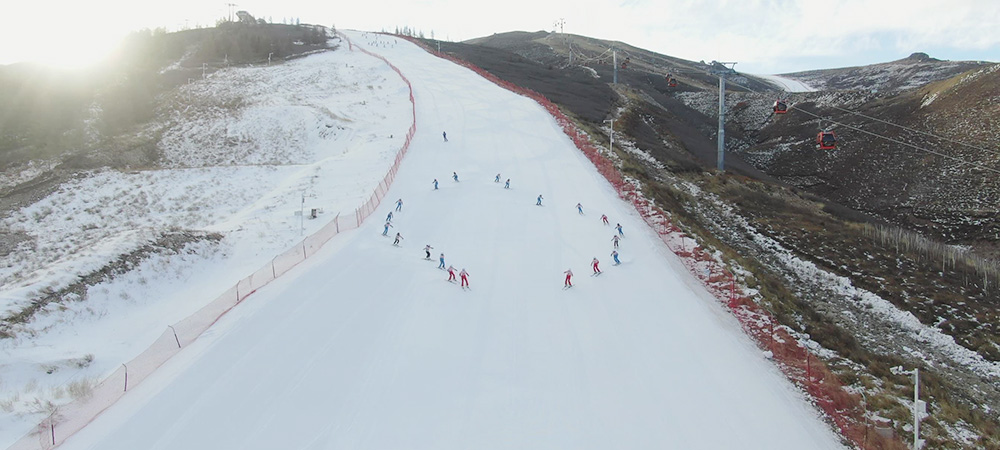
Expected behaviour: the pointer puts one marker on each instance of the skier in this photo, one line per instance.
(435, 183)
(451, 274)
(444, 134)
(389, 217)
(604, 218)
(465, 278)
(427, 251)
(385, 232)
(615, 239)
(497, 179)
(614, 254)
(569, 279)
(594, 264)
(441, 266)
(507, 185)
(454, 176)
(579, 208)
(399, 205)
(618, 226)
(398, 238)
(539, 202)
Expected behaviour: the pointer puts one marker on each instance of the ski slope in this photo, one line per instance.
(366, 346)
(787, 84)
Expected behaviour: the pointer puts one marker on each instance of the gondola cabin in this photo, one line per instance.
(826, 140)
(780, 107)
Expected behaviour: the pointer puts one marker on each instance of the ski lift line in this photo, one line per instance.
(916, 131)
(897, 141)
(961, 162)
(585, 58)
(593, 57)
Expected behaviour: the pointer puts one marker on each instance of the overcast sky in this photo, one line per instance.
(763, 36)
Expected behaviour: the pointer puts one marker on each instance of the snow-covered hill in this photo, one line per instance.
(901, 75)
(251, 148)
(366, 345)
(787, 84)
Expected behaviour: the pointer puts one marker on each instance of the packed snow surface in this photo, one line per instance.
(787, 84)
(367, 346)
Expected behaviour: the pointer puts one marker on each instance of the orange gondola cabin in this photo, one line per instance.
(826, 140)
(780, 107)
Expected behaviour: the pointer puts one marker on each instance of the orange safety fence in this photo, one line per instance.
(67, 419)
(843, 408)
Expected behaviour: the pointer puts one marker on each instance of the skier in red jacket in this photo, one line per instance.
(569, 279)
(594, 263)
(465, 278)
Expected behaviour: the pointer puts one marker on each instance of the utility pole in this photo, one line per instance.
(722, 72)
(559, 25)
(231, 6)
(919, 406)
(919, 410)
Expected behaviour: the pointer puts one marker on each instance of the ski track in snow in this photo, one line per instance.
(787, 84)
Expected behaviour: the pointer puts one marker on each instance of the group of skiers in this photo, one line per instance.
(595, 263)
(464, 275)
(377, 40)
(454, 176)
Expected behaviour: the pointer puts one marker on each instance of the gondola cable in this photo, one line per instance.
(963, 162)
(916, 130)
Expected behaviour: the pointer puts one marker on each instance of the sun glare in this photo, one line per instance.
(71, 52)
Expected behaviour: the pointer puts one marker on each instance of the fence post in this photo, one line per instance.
(771, 335)
(175, 335)
(126, 377)
(809, 378)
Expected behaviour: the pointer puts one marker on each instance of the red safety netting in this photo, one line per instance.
(70, 418)
(805, 370)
